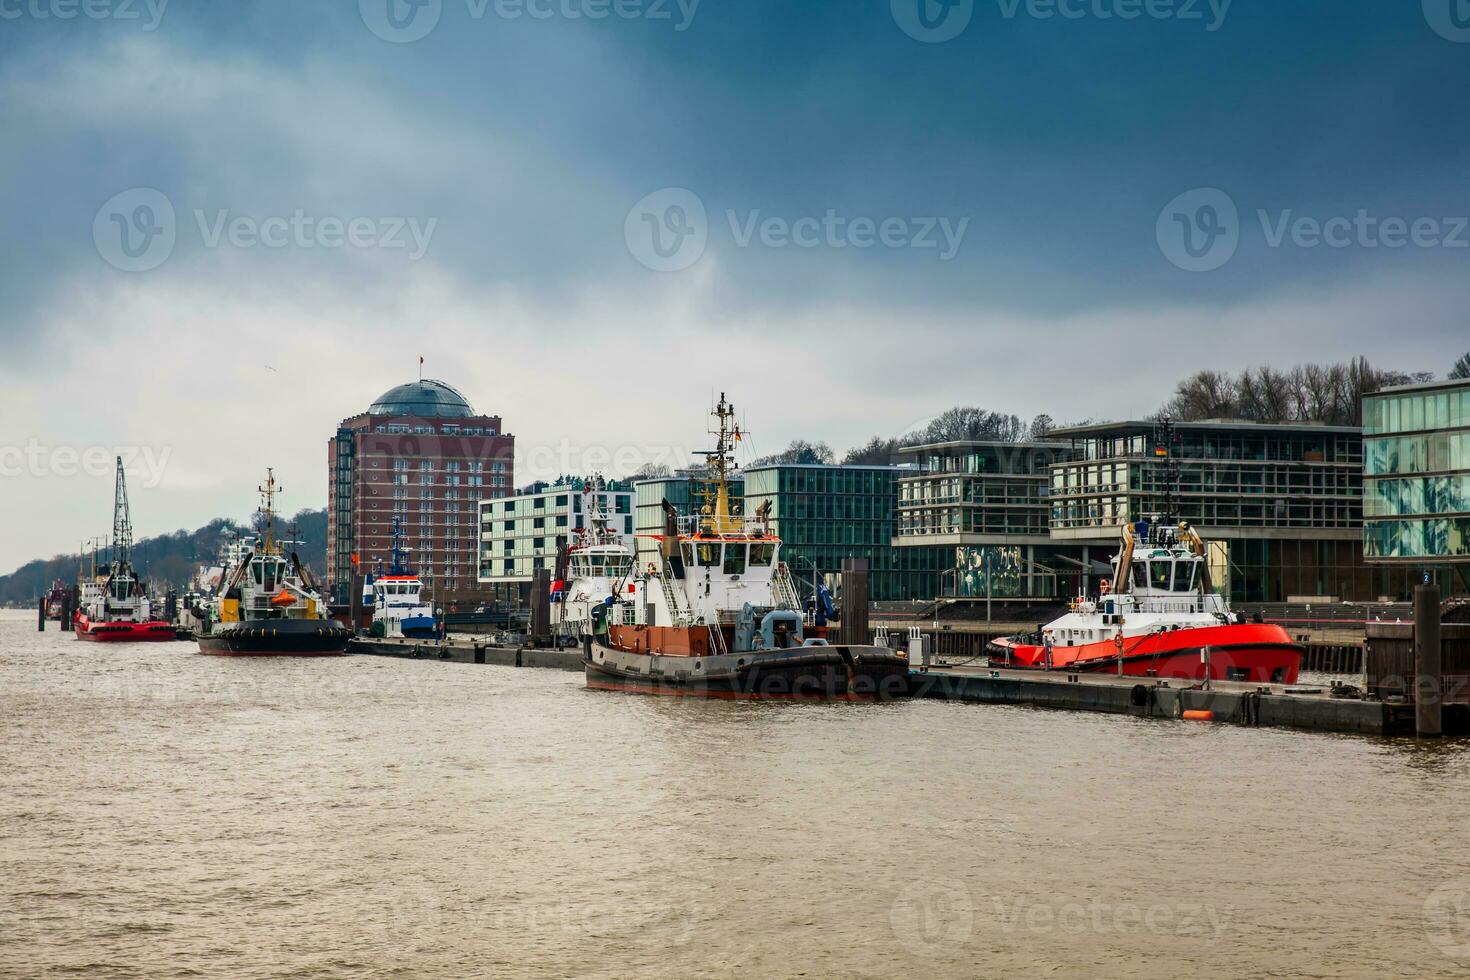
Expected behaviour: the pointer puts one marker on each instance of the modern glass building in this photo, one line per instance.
(824, 514)
(1282, 504)
(522, 533)
(988, 505)
(1416, 474)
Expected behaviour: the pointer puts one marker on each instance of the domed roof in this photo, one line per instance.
(426, 399)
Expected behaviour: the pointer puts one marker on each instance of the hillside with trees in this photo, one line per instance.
(168, 560)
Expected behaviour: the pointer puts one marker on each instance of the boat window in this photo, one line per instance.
(688, 554)
(619, 565)
(734, 559)
(709, 554)
(1140, 574)
(1159, 572)
(762, 555)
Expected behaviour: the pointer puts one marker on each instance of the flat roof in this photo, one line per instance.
(1420, 386)
(1220, 425)
(824, 466)
(983, 443)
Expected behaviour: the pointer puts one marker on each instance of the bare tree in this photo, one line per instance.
(1461, 368)
(652, 471)
(1204, 395)
(875, 452)
(800, 451)
(1041, 427)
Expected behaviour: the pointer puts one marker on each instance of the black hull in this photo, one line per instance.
(826, 673)
(277, 638)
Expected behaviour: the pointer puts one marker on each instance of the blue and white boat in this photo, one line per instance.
(396, 598)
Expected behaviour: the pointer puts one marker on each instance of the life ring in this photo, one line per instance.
(1118, 642)
(651, 570)
(1106, 587)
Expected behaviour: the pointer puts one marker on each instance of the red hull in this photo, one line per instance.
(1257, 653)
(152, 631)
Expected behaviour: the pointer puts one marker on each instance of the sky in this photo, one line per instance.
(229, 226)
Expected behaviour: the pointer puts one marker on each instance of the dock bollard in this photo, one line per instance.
(41, 615)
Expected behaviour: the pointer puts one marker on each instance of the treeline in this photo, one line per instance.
(956, 424)
(169, 560)
(1327, 393)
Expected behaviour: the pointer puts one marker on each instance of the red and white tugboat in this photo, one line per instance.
(1158, 617)
(114, 606)
(719, 616)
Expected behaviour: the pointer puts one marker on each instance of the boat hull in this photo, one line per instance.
(1257, 653)
(151, 631)
(808, 673)
(276, 638)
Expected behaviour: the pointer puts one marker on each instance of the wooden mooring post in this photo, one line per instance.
(1428, 664)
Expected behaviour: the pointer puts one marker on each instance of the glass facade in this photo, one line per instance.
(1230, 476)
(987, 489)
(1416, 471)
(520, 534)
(824, 514)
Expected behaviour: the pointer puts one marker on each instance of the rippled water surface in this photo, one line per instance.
(168, 814)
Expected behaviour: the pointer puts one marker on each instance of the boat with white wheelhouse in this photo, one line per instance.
(397, 597)
(1158, 616)
(718, 613)
(594, 567)
(268, 604)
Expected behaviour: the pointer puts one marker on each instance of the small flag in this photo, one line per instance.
(737, 433)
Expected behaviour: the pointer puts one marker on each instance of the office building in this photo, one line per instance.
(825, 513)
(524, 532)
(987, 505)
(421, 454)
(1281, 504)
(1416, 475)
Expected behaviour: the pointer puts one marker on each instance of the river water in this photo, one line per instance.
(168, 814)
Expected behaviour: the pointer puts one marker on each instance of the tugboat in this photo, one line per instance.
(595, 566)
(56, 601)
(113, 606)
(267, 605)
(398, 609)
(719, 615)
(1158, 616)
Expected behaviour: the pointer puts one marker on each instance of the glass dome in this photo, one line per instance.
(426, 399)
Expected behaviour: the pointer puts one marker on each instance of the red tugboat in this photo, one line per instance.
(1158, 617)
(56, 601)
(114, 605)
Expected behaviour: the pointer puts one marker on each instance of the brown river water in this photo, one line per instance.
(166, 814)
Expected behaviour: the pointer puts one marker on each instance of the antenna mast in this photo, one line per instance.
(122, 523)
(268, 493)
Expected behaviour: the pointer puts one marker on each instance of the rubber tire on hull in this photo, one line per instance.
(277, 637)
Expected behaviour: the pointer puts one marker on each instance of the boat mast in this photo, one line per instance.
(122, 522)
(721, 460)
(268, 493)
